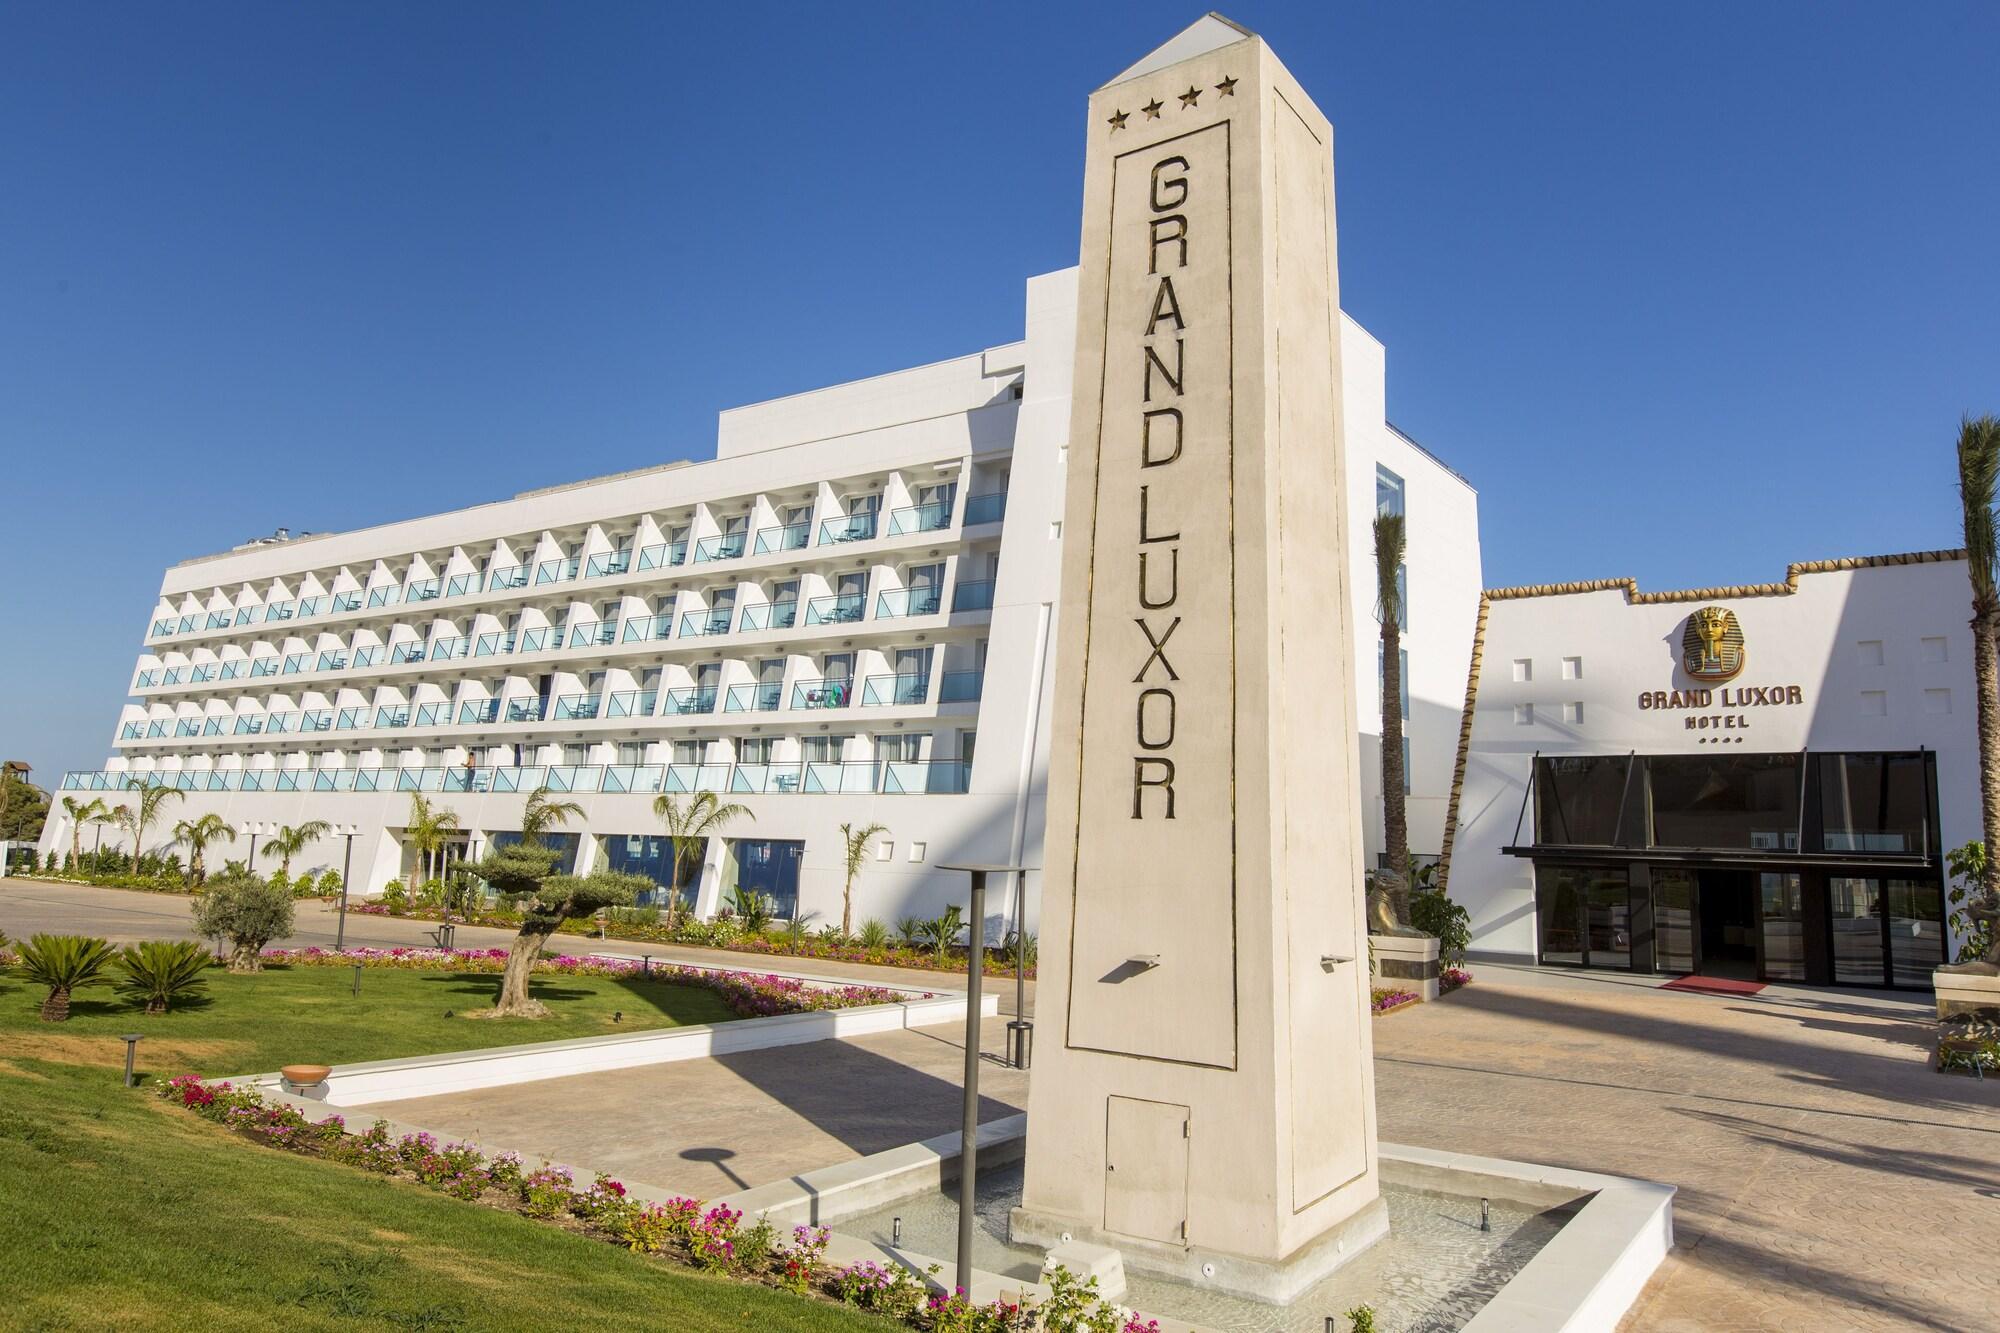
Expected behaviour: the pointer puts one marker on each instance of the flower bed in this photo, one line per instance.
(746, 993)
(1384, 999)
(1452, 978)
(686, 1231)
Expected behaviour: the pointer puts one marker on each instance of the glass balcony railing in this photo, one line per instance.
(539, 639)
(886, 777)
(409, 650)
(960, 687)
(219, 620)
(524, 710)
(320, 719)
(201, 674)
(690, 699)
(663, 555)
(847, 528)
(294, 663)
(841, 609)
(476, 712)
(491, 643)
(370, 655)
(974, 596)
(506, 577)
(147, 679)
(131, 731)
(235, 669)
(919, 518)
(276, 724)
(909, 602)
(162, 627)
(458, 585)
(395, 716)
(263, 666)
(331, 662)
(350, 718)
(593, 634)
(187, 624)
(988, 508)
(576, 707)
(155, 730)
(606, 563)
(789, 537)
(722, 546)
(822, 693)
(279, 611)
(770, 615)
(640, 629)
(762, 697)
(387, 594)
(433, 714)
(249, 726)
(695, 624)
(173, 675)
(188, 726)
(450, 649)
(894, 691)
(556, 571)
(633, 703)
(345, 601)
(424, 590)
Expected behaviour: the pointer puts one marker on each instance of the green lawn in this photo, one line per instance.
(119, 1211)
(252, 1024)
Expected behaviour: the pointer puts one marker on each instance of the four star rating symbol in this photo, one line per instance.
(1189, 99)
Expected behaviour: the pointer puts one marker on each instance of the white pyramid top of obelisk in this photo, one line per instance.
(1210, 32)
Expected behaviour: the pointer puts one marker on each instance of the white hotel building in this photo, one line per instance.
(844, 616)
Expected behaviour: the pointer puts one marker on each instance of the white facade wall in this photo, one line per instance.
(992, 422)
(1882, 654)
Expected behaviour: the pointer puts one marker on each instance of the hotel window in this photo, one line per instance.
(755, 749)
(631, 754)
(689, 751)
(824, 749)
(1388, 492)
(899, 748)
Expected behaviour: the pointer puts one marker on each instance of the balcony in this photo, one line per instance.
(988, 508)
(352, 718)
(147, 679)
(264, 666)
(555, 571)
(492, 642)
(461, 584)
(593, 634)
(790, 537)
(641, 629)
(478, 712)
(842, 609)
(539, 639)
(433, 714)
(887, 777)
(524, 710)
(132, 731)
(663, 555)
(385, 595)
(847, 528)
(697, 624)
(276, 724)
(369, 656)
(220, 620)
(410, 650)
(506, 577)
(894, 691)
(961, 687)
(822, 693)
(320, 719)
(331, 662)
(249, 726)
(450, 649)
(919, 518)
(724, 546)
(576, 707)
(396, 716)
(771, 615)
(633, 703)
(763, 697)
(424, 590)
(294, 664)
(690, 699)
(345, 601)
(921, 601)
(606, 563)
(973, 596)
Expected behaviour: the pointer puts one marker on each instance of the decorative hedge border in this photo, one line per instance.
(681, 1230)
(746, 993)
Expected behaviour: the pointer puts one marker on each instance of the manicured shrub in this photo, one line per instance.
(64, 963)
(873, 935)
(249, 911)
(157, 972)
(1435, 914)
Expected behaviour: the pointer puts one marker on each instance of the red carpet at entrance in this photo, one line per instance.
(1714, 985)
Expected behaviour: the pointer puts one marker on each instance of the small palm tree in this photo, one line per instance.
(289, 841)
(81, 813)
(427, 832)
(1978, 472)
(138, 819)
(64, 963)
(160, 971)
(105, 817)
(690, 824)
(1389, 550)
(197, 834)
(540, 815)
(856, 850)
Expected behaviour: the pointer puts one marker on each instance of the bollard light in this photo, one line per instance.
(645, 965)
(131, 1040)
(357, 981)
(1484, 1225)
(896, 1232)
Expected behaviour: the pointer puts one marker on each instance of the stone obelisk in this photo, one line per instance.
(1202, 1097)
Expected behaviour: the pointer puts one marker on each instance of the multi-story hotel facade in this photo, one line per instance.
(844, 617)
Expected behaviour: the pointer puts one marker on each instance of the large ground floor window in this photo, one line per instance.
(770, 867)
(1819, 926)
(651, 855)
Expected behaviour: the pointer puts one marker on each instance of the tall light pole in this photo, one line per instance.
(253, 828)
(347, 831)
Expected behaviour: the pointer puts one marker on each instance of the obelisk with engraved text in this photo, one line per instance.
(1202, 1095)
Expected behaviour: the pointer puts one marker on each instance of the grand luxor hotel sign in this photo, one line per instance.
(1713, 650)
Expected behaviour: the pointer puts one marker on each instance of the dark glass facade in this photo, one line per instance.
(1816, 868)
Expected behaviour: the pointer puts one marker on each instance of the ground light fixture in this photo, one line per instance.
(349, 832)
(131, 1040)
(968, 1125)
(357, 981)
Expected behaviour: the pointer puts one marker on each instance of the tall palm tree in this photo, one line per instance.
(540, 815)
(288, 842)
(81, 813)
(1389, 551)
(1978, 472)
(104, 816)
(690, 825)
(426, 832)
(147, 813)
(197, 834)
(856, 850)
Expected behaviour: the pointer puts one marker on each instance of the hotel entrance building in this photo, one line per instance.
(1757, 783)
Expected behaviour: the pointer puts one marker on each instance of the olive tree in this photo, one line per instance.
(248, 911)
(524, 875)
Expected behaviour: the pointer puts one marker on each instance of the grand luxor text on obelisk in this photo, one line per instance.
(1208, 1109)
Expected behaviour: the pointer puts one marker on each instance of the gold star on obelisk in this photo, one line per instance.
(1152, 109)
(1118, 119)
(1191, 96)
(1227, 87)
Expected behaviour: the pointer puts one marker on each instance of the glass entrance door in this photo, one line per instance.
(1783, 929)
(1727, 916)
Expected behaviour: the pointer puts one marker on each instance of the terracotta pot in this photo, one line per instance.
(305, 1076)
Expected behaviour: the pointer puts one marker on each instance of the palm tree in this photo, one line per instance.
(690, 826)
(81, 813)
(541, 814)
(1389, 549)
(426, 833)
(1978, 471)
(197, 834)
(857, 855)
(105, 815)
(137, 820)
(288, 842)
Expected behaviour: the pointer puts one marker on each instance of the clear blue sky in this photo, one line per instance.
(1687, 291)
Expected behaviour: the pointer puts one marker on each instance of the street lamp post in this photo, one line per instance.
(1020, 1032)
(253, 829)
(347, 831)
(968, 1125)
